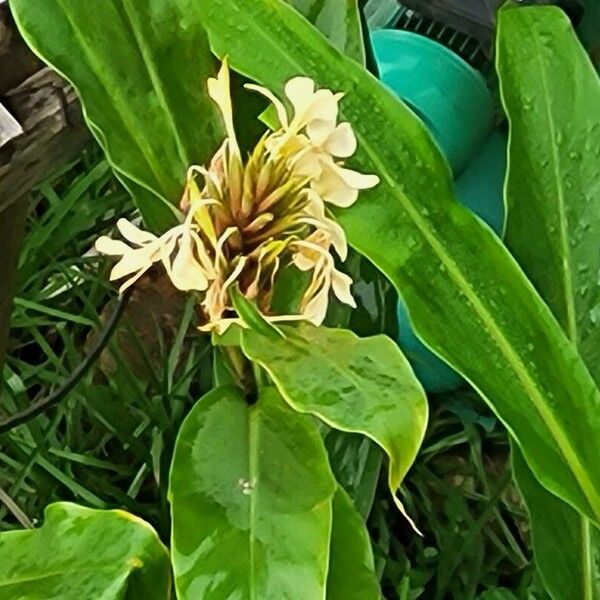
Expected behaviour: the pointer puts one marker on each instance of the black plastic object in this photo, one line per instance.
(474, 19)
(459, 39)
(370, 62)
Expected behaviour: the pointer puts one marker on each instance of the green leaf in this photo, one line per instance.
(84, 553)
(467, 298)
(565, 544)
(351, 570)
(251, 316)
(551, 96)
(251, 495)
(338, 21)
(357, 385)
(140, 69)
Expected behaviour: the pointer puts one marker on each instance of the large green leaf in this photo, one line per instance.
(467, 298)
(360, 385)
(338, 21)
(140, 69)
(351, 569)
(83, 553)
(251, 495)
(565, 544)
(551, 95)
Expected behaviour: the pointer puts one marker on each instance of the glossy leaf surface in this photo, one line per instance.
(565, 543)
(140, 69)
(338, 21)
(467, 298)
(551, 94)
(351, 570)
(83, 553)
(251, 495)
(357, 385)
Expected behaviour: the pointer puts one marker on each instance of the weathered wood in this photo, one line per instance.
(41, 128)
(47, 109)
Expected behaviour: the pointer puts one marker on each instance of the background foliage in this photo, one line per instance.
(111, 442)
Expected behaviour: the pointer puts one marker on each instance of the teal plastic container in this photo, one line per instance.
(453, 101)
(450, 96)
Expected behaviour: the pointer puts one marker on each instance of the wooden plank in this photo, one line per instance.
(54, 132)
(41, 128)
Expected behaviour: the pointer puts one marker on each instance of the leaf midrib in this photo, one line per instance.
(565, 268)
(253, 433)
(563, 221)
(529, 385)
(117, 99)
(159, 89)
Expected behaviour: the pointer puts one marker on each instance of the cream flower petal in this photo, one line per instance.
(359, 181)
(166, 250)
(219, 90)
(279, 107)
(233, 277)
(319, 131)
(340, 283)
(310, 255)
(334, 189)
(338, 239)
(198, 212)
(309, 105)
(222, 325)
(221, 242)
(337, 236)
(134, 234)
(324, 108)
(334, 232)
(211, 304)
(300, 92)
(303, 262)
(185, 273)
(316, 206)
(315, 310)
(129, 282)
(339, 185)
(342, 141)
(111, 247)
(308, 164)
(138, 260)
(203, 256)
(316, 209)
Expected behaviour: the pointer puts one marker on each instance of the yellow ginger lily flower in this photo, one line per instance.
(313, 254)
(250, 219)
(313, 140)
(184, 270)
